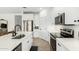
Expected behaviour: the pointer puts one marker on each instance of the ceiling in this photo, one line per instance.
(19, 9)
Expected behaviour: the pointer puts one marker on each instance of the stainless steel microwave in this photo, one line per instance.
(60, 19)
(3, 25)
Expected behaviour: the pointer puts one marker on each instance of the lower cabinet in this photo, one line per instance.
(43, 34)
(26, 44)
(60, 46)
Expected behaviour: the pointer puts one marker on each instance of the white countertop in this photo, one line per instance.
(71, 44)
(8, 44)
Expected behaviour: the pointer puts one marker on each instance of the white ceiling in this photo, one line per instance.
(32, 9)
(18, 9)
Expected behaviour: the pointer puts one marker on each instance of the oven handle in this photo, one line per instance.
(52, 37)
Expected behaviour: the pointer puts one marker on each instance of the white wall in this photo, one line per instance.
(10, 19)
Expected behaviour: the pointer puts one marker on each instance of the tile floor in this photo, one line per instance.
(42, 44)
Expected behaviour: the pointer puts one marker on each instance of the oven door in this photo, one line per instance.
(52, 43)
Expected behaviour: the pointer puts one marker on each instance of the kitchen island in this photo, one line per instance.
(8, 44)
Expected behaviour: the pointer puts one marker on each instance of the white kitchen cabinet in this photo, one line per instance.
(60, 46)
(71, 14)
(27, 17)
(4, 49)
(27, 43)
(64, 48)
(44, 35)
(36, 33)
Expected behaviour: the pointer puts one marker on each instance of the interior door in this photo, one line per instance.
(28, 25)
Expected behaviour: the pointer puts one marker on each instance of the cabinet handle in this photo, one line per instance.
(27, 41)
(59, 44)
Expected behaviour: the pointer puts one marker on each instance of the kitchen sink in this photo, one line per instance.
(19, 36)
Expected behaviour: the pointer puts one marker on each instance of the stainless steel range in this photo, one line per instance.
(67, 33)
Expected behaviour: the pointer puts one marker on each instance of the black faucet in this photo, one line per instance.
(14, 32)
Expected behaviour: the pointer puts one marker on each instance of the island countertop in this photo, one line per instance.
(72, 44)
(8, 44)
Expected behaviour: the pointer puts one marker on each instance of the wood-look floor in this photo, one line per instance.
(42, 44)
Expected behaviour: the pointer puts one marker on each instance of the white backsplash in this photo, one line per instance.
(55, 28)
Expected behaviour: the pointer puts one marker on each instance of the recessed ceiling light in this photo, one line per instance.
(41, 8)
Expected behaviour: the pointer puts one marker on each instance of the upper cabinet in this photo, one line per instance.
(28, 16)
(71, 14)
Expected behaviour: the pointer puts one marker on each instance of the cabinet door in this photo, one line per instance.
(36, 33)
(64, 49)
(27, 43)
(24, 46)
(44, 35)
(59, 47)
